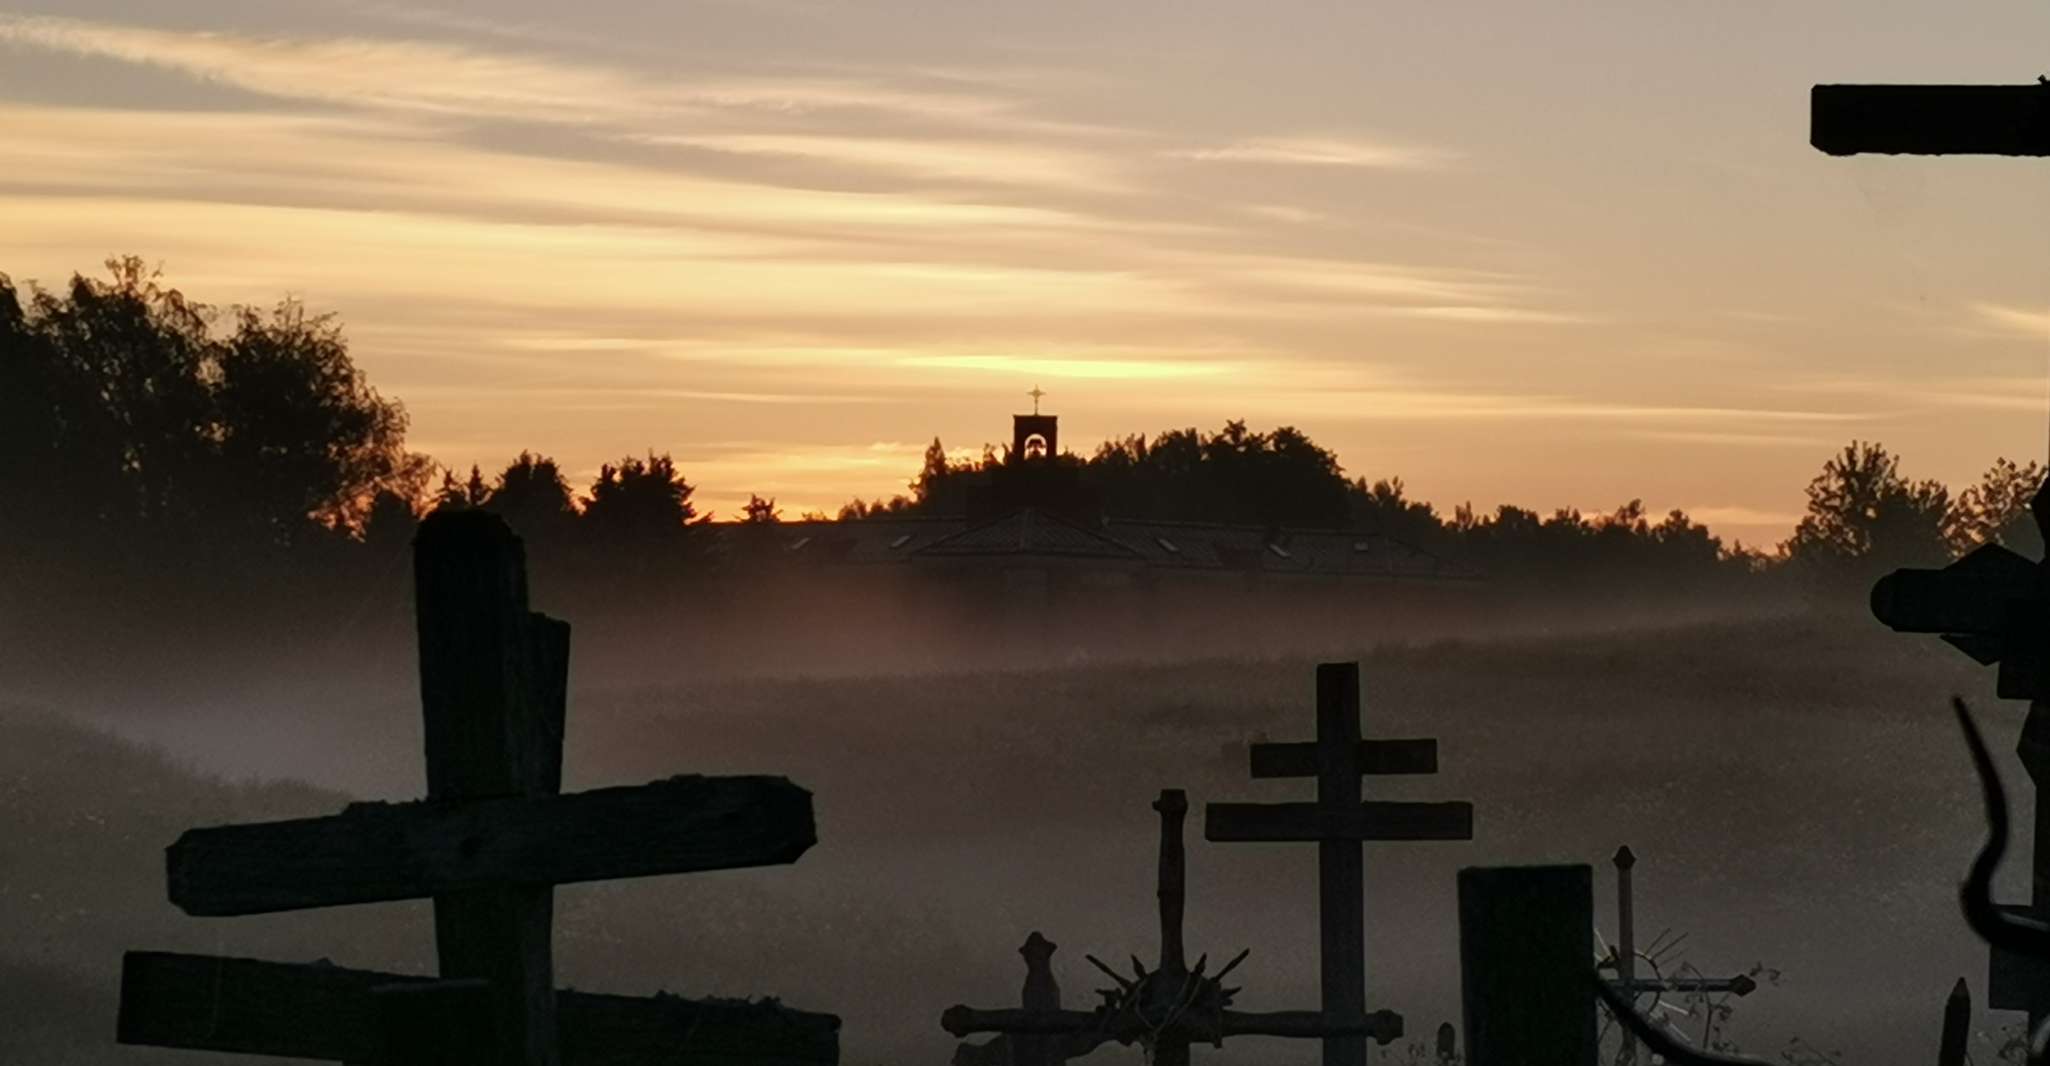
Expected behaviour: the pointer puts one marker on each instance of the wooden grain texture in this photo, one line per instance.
(1372, 820)
(492, 698)
(317, 1011)
(1376, 757)
(1930, 119)
(378, 851)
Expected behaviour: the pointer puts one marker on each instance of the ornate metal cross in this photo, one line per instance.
(1174, 1005)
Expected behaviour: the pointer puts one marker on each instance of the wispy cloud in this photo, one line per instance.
(1069, 367)
(1741, 516)
(2030, 323)
(1993, 393)
(1320, 152)
(448, 79)
(1002, 162)
(408, 75)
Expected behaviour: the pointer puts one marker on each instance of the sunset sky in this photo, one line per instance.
(1551, 254)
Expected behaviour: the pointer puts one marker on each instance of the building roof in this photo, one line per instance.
(1032, 532)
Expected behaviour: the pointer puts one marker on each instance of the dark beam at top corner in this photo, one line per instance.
(2012, 120)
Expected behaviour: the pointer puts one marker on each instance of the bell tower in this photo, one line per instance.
(1035, 437)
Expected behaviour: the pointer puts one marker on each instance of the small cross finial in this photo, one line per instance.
(1036, 393)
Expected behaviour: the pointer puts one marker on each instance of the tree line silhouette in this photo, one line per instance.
(141, 431)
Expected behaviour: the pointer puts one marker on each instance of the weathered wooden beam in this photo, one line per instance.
(1526, 956)
(433, 1023)
(493, 681)
(318, 1011)
(1930, 119)
(1372, 820)
(1299, 759)
(380, 851)
(1341, 864)
(1942, 601)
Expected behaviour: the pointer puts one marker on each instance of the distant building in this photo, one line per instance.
(1035, 534)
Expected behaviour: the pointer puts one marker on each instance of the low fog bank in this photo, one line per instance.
(1792, 786)
(116, 648)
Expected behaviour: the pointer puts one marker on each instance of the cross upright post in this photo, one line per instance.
(492, 686)
(1341, 883)
(1340, 823)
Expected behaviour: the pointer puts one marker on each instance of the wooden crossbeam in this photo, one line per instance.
(1372, 820)
(1939, 601)
(390, 851)
(493, 705)
(1930, 119)
(1299, 758)
(317, 1011)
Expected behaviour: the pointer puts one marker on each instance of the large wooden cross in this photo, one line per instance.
(1174, 1005)
(488, 845)
(1992, 604)
(1339, 823)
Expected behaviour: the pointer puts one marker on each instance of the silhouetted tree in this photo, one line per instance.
(1384, 508)
(640, 502)
(759, 511)
(1996, 510)
(1864, 517)
(125, 411)
(461, 495)
(535, 500)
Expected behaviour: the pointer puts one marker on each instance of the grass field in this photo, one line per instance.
(1794, 789)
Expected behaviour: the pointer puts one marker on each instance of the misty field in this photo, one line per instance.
(1794, 788)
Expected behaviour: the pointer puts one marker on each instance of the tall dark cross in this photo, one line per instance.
(488, 845)
(1994, 605)
(1623, 957)
(1991, 604)
(1339, 823)
(1174, 1005)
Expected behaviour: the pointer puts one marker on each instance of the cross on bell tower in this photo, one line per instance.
(1034, 437)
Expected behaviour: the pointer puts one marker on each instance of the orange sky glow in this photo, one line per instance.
(1507, 252)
